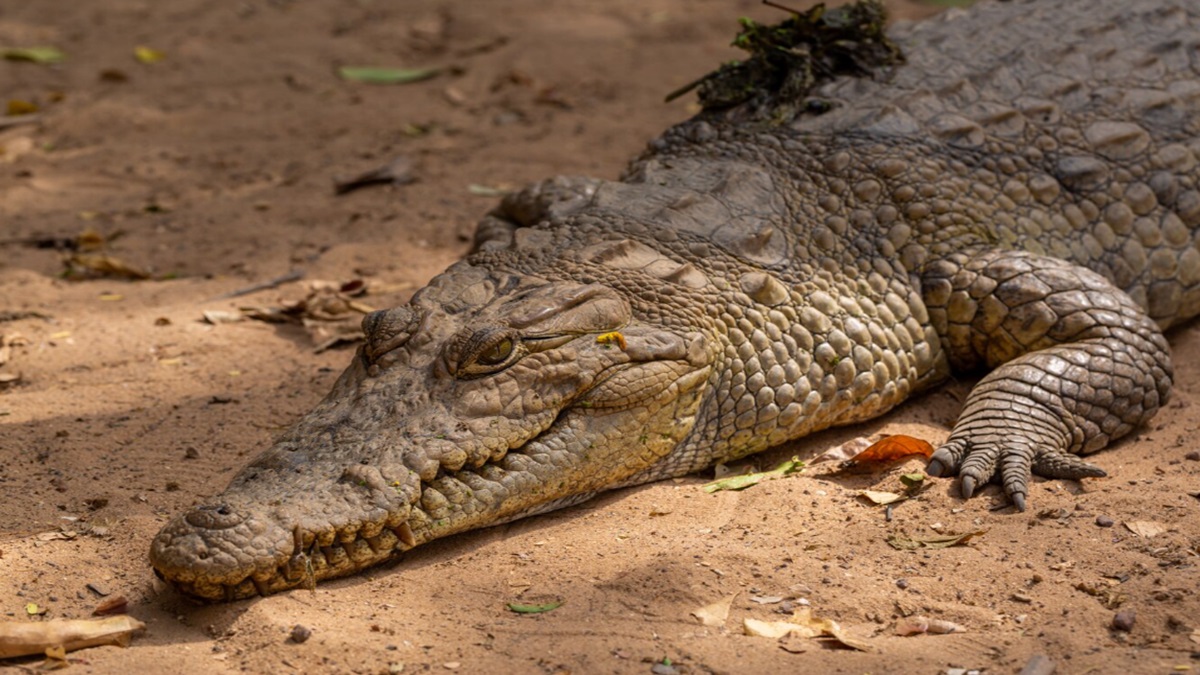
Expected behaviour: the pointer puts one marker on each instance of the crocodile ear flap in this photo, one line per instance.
(564, 308)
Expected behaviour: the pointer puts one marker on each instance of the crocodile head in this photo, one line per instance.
(490, 396)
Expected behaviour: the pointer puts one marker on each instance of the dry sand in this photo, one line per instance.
(217, 164)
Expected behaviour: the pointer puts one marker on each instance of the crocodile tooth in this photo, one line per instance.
(260, 586)
(348, 547)
(405, 534)
(297, 541)
(375, 543)
(230, 592)
(328, 553)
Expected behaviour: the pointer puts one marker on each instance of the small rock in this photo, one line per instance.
(1039, 664)
(1193, 456)
(902, 584)
(1123, 620)
(395, 668)
(664, 669)
(99, 589)
(190, 452)
(300, 634)
(1021, 597)
(1105, 521)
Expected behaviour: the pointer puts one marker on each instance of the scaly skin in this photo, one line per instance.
(1021, 196)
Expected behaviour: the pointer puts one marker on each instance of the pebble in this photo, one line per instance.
(902, 584)
(1123, 620)
(1104, 521)
(1039, 664)
(1193, 456)
(664, 669)
(1021, 597)
(300, 634)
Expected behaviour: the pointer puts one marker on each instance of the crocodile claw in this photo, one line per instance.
(1010, 463)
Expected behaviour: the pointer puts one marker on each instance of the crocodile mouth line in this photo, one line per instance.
(309, 563)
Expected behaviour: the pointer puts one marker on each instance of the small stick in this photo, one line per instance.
(18, 120)
(776, 5)
(294, 275)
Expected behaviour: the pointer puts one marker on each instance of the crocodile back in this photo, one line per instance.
(1061, 130)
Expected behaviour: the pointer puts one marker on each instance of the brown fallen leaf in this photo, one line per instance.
(892, 448)
(1145, 528)
(115, 604)
(903, 543)
(84, 264)
(21, 638)
(716, 613)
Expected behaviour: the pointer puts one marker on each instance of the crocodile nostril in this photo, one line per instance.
(214, 517)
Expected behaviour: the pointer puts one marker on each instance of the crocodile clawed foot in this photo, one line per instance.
(1010, 462)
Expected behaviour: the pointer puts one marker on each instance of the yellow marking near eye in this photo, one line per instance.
(610, 338)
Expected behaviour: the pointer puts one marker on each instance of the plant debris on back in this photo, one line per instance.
(788, 59)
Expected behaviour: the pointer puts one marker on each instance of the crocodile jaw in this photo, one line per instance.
(414, 443)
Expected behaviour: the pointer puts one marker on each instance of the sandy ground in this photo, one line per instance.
(216, 167)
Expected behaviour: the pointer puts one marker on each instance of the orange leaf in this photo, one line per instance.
(892, 448)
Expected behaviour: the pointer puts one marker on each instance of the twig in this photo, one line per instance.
(294, 275)
(776, 5)
(18, 120)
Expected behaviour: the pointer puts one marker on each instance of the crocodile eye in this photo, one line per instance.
(496, 354)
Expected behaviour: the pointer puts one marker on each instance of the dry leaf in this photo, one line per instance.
(892, 448)
(843, 452)
(913, 625)
(116, 604)
(716, 613)
(775, 629)
(87, 264)
(804, 624)
(744, 481)
(216, 316)
(903, 543)
(881, 498)
(1145, 528)
(18, 106)
(56, 658)
(148, 55)
(21, 638)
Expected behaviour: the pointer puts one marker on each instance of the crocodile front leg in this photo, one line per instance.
(1077, 365)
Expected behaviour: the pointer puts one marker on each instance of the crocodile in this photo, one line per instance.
(1019, 197)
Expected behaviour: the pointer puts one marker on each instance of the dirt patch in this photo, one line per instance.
(216, 166)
